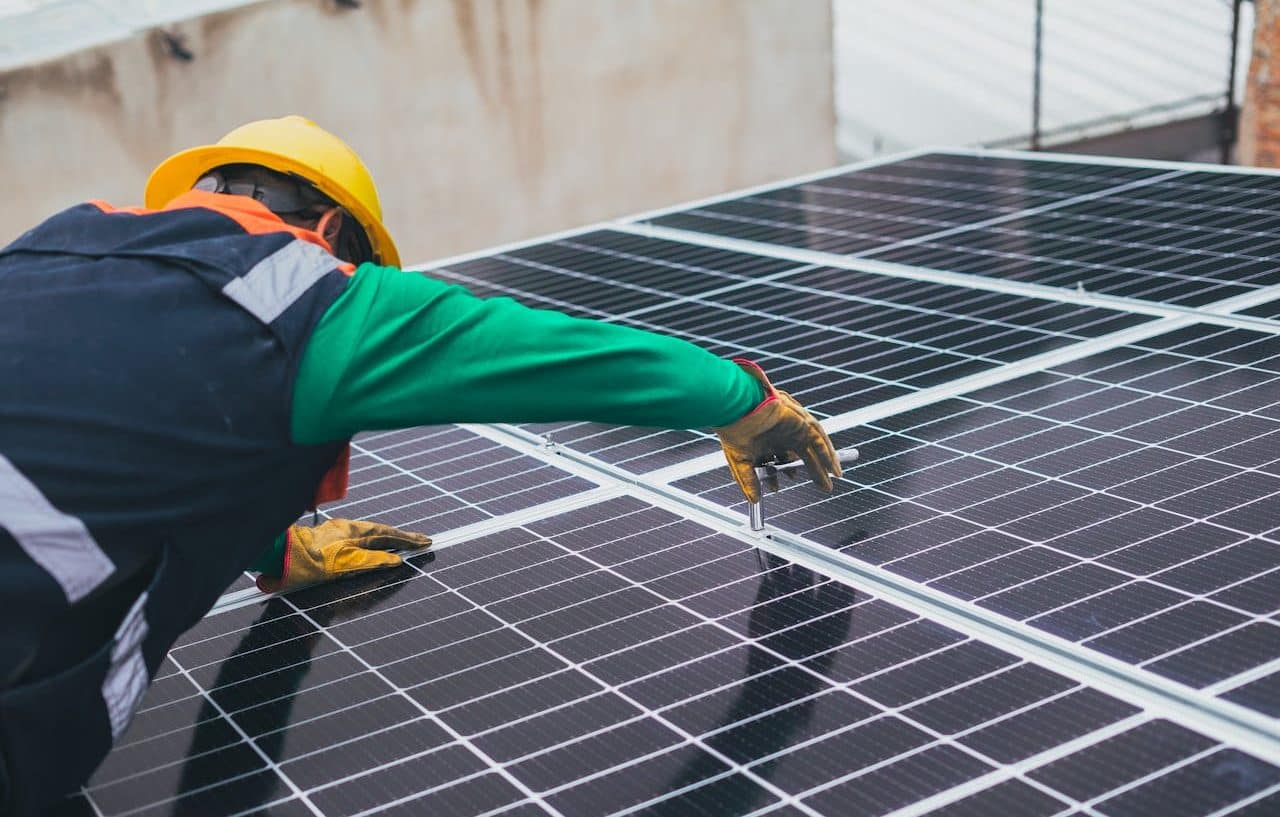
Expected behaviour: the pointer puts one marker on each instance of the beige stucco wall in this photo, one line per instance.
(483, 121)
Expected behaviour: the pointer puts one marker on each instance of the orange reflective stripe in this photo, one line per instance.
(111, 208)
(252, 216)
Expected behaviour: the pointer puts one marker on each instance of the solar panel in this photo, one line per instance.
(1051, 586)
(866, 210)
(1173, 236)
(558, 667)
(1268, 310)
(1128, 501)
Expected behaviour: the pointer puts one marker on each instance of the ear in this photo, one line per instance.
(330, 225)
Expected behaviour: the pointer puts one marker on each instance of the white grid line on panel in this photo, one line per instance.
(1246, 801)
(1153, 578)
(1028, 544)
(454, 734)
(1140, 394)
(960, 279)
(270, 763)
(1228, 723)
(1115, 224)
(1224, 721)
(1006, 370)
(732, 278)
(1144, 664)
(960, 453)
(939, 738)
(954, 388)
(502, 767)
(949, 229)
(1008, 212)
(917, 159)
(1109, 226)
(1133, 784)
(1160, 280)
(227, 715)
(1017, 769)
(776, 281)
(895, 709)
(1111, 161)
(466, 533)
(1186, 761)
(940, 443)
(1244, 678)
(797, 322)
(1009, 371)
(1217, 206)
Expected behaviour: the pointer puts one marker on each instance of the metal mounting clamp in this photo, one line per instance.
(755, 513)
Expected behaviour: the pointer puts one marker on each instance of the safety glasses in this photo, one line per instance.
(279, 193)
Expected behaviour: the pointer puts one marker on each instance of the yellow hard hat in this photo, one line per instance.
(291, 144)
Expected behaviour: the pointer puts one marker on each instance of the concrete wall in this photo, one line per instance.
(483, 121)
(1259, 139)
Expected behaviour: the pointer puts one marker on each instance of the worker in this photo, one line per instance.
(182, 381)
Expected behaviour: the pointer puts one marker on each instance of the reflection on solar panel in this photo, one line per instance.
(1175, 236)
(1051, 587)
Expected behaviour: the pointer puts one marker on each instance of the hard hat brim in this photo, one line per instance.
(176, 175)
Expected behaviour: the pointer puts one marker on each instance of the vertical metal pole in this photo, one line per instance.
(1035, 87)
(1231, 114)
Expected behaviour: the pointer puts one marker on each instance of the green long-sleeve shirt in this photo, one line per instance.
(400, 349)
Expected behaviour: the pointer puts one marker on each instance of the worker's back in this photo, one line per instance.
(145, 456)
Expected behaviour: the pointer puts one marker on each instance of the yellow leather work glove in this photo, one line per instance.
(337, 548)
(781, 430)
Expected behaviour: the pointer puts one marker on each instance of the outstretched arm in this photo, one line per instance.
(400, 349)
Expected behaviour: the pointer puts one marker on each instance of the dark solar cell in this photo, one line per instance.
(1009, 797)
(1202, 787)
(1262, 695)
(1115, 762)
(1271, 310)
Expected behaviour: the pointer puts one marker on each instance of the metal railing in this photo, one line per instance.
(1226, 118)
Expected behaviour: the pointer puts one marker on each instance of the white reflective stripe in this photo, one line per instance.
(58, 542)
(127, 676)
(278, 280)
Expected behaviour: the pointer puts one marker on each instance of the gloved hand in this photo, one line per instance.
(777, 428)
(336, 548)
